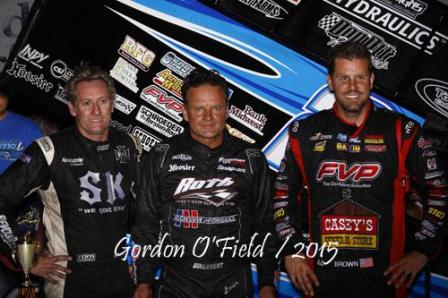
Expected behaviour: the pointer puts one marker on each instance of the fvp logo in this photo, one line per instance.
(357, 172)
(186, 218)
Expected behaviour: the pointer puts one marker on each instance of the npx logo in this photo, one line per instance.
(356, 172)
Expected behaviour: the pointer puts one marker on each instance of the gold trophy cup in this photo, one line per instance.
(26, 256)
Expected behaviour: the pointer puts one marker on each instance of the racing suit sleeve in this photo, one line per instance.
(288, 199)
(431, 177)
(261, 220)
(27, 174)
(145, 226)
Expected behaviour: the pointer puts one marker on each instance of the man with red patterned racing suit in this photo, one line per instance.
(349, 166)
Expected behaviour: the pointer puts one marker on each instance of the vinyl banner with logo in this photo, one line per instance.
(401, 34)
(149, 47)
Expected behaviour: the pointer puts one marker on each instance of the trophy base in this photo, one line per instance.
(26, 292)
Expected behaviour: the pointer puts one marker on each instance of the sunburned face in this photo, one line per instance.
(206, 113)
(92, 109)
(351, 83)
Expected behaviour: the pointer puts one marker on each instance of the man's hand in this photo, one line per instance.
(143, 291)
(406, 269)
(300, 273)
(267, 292)
(48, 268)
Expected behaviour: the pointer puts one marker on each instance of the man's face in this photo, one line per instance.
(351, 82)
(92, 109)
(3, 106)
(206, 113)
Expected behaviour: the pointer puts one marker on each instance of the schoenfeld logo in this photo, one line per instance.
(434, 93)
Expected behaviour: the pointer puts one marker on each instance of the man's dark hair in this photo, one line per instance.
(199, 77)
(5, 89)
(86, 73)
(349, 50)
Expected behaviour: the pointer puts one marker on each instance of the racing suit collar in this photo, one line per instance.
(359, 129)
(204, 149)
(92, 145)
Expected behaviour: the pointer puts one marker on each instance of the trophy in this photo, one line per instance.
(26, 256)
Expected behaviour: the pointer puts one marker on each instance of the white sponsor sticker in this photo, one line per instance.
(125, 73)
(124, 105)
(148, 140)
(158, 122)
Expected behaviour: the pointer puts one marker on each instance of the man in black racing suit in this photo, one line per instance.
(206, 192)
(85, 176)
(350, 166)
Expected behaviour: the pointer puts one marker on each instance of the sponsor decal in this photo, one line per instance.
(176, 64)
(320, 137)
(349, 225)
(32, 56)
(408, 127)
(184, 167)
(435, 174)
(59, 70)
(190, 219)
(120, 126)
(249, 118)
(434, 93)
(279, 213)
(366, 262)
(158, 122)
(136, 53)
(320, 146)
(295, 2)
(191, 215)
(90, 193)
(340, 30)
(86, 257)
(19, 71)
(160, 100)
(251, 152)
(125, 73)
(236, 162)
(374, 139)
(389, 21)
(6, 233)
(230, 169)
(341, 147)
(410, 8)
(429, 153)
(210, 192)
(268, 8)
(60, 94)
(122, 154)
(147, 140)
(45, 144)
(183, 157)
(375, 148)
(436, 213)
(342, 137)
(280, 204)
(187, 184)
(356, 172)
(123, 105)
(295, 126)
(238, 134)
(211, 266)
(354, 148)
(169, 82)
(431, 164)
(423, 143)
(77, 161)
